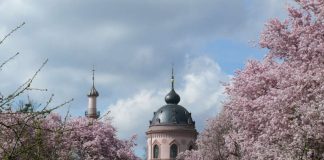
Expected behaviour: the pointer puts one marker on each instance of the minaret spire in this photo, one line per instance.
(93, 71)
(93, 92)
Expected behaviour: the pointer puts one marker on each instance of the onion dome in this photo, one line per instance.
(93, 92)
(172, 97)
(172, 113)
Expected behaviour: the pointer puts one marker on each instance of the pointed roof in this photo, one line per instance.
(93, 92)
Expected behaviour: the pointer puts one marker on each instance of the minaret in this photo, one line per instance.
(92, 101)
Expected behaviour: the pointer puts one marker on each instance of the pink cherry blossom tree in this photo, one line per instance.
(276, 106)
(211, 142)
(50, 137)
(92, 139)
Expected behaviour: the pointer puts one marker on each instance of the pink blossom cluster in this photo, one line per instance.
(275, 108)
(35, 136)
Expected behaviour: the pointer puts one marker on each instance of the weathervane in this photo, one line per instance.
(93, 70)
(172, 79)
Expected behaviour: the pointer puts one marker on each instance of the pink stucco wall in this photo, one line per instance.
(165, 136)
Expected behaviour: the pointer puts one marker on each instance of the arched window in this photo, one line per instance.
(156, 151)
(173, 151)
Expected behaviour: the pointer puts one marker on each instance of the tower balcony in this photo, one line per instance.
(97, 115)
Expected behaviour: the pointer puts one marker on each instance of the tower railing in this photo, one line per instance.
(97, 115)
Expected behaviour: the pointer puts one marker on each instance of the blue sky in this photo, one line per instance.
(232, 60)
(132, 45)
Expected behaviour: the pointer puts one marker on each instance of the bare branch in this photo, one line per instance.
(12, 31)
(21, 88)
(9, 59)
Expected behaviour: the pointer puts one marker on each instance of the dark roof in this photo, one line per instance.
(172, 97)
(172, 114)
(93, 92)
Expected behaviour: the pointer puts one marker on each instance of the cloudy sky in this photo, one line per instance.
(132, 45)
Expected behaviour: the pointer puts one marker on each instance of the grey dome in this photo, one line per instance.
(172, 114)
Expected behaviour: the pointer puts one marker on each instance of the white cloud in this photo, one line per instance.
(132, 113)
(203, 90)
(201, 93)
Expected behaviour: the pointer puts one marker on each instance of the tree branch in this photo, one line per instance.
(12, 31)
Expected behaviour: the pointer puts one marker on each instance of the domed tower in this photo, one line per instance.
(92, 101)
(171, 129)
